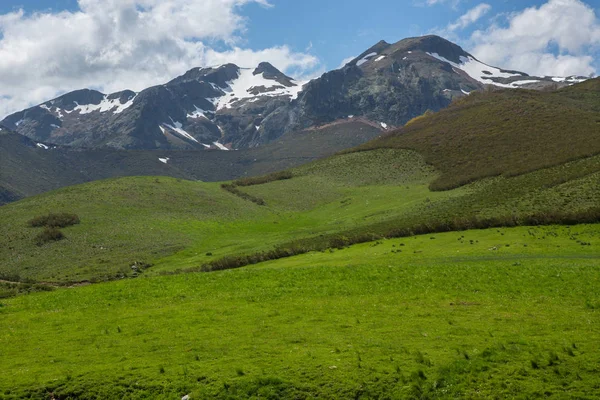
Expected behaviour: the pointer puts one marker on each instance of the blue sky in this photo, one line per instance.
(59, 45)
(337, 29)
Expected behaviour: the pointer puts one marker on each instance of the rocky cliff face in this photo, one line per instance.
(228, 107)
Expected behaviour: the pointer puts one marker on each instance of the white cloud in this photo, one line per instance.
(346, 61)
(453, 3)
(570, 27)
(113, 45)
(470, 17)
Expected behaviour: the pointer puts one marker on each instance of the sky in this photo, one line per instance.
(49, 47)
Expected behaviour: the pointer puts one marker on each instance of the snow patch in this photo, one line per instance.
(568, 79)
(519, 83)
(55, 126)
(383, 125)
(405, 58)
(379, 58)
(365, 59)
(105, 105)
(164, 160)
(19, 122)
(42, 146)
(220, 146)
(465, 92)
(257, 127)
(239, 88)
(477, 70)
(350, 116)
(176, 127)
(45, 107)
(198, 113)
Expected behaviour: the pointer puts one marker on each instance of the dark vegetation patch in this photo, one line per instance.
(259, 180)
(52, 220)
(11, 289)
(388, 230)
(49, 234)
(252, 181)
(509, 133)
(233, 189)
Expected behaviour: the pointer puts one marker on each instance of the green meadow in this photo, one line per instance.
(175, 224)
(498, 313)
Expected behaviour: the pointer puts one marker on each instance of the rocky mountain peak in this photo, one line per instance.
(219, 75)
(433, 44)
(268, 71)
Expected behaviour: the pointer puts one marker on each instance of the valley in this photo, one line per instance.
(415, 224)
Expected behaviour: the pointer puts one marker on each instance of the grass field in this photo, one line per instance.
(177, 224)
(499, 313)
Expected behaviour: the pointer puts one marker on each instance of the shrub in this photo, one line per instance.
(52, 220)
(259, 180)
(420, 117)
(234, 190)
(49, 234)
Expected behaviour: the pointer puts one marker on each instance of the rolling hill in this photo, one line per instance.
(504, 133)
(381, 189)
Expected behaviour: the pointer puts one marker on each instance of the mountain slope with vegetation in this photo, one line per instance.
(28, 168)
(180, 225)
(537, 175)
(504, 133)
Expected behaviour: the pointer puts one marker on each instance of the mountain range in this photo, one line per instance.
(229, 107)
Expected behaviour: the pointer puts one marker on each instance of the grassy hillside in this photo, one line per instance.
(177, 224)
(507, 133)
(502, 313)
(144, 219)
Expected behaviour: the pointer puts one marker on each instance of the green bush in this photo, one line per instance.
(49, 234)
(367, 234)
(259, 180)
(231, 188)
(52, 220)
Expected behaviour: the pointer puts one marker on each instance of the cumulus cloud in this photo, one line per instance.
(473, 15)
(113, 45)
(556, 38)
(470, 17)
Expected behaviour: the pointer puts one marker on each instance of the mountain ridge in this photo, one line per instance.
(229, 107)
